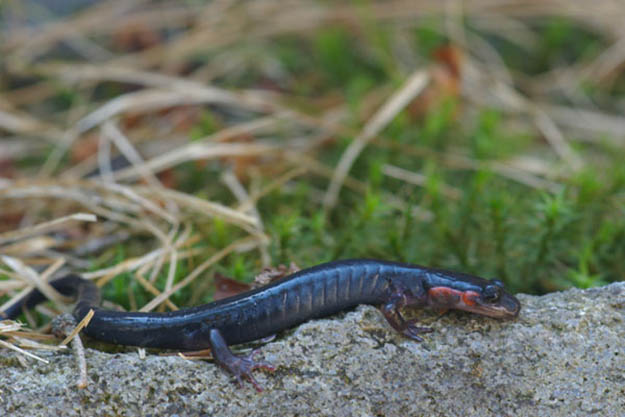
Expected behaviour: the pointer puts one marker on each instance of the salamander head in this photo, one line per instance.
(489, 300)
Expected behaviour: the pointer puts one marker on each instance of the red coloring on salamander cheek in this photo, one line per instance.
(469, 297)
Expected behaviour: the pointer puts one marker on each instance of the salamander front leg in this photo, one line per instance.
(239, 366)
(400, 296)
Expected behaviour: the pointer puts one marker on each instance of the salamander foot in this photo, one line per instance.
(399, 296)
(242, 366)
(239, 366)
(412, 332)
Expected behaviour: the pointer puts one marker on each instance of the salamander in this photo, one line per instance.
(311, 293)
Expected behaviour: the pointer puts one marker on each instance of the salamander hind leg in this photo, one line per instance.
(400, 296)
(239, 366)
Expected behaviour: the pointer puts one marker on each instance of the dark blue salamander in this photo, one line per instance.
(315, 292)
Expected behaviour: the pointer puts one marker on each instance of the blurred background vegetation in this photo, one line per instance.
(226, 136)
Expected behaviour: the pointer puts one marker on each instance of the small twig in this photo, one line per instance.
(556, 139)
(147, 285)
(400, 99)
(195, 151)
(83, 323)
(22, 351)
(419, 179)
(114, 134)
(31, 276)
(46, 227)
(64, 325)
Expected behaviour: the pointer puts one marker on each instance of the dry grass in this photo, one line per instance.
(65, 216)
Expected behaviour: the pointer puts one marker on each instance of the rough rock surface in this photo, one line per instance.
(564, 356)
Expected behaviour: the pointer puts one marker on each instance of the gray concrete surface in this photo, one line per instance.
(564, 356)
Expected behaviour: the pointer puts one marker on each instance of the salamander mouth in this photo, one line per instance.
(507, 307)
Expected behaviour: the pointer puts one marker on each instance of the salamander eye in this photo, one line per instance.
(491, 293)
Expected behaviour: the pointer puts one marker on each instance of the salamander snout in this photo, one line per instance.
(494, 301)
